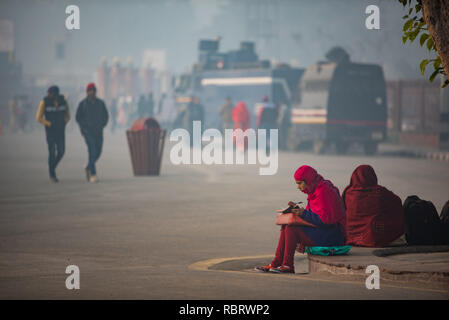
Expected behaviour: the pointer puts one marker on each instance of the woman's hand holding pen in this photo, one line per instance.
(298, 211)
(292, 204)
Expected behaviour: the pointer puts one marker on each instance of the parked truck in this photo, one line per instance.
(340, 104)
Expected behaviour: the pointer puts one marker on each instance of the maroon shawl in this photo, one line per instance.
(374, 214)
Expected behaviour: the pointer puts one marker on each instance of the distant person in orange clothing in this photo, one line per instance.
(242, 120)
(53, 113)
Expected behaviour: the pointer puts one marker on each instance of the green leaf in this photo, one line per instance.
(423, 65)
(404, 39)
(445, 84)
(437, 63)
(423, 38)
(430, 44)
(434, 74)
(414, 34)
(407, 25)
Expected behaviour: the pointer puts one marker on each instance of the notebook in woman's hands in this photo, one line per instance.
(289, 208)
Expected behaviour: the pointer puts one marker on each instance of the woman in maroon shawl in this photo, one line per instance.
(374, 214)
(242, 120)
(324, 209)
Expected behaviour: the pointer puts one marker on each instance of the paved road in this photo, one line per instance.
(135, 237)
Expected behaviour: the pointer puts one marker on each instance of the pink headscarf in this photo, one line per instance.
(323, 198)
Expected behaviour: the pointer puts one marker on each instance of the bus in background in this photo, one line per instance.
(237, 74)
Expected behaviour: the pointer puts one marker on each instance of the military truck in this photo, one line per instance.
(238, 74)
(341, 103)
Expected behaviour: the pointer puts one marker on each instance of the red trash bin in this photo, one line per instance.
(146, 144)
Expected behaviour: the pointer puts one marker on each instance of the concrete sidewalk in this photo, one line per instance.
(419, 266)
(415, 263)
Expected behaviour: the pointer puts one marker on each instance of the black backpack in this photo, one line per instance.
(422, 222)
(445, 223)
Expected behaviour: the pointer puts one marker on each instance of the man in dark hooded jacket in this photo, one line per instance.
(53, 113)
(92, 117)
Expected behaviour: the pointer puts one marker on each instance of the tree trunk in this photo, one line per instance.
(436, 17)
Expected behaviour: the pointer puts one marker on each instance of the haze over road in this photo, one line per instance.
(135, 237)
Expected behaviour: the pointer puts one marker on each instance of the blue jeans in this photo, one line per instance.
(94, 146)
(56, 149)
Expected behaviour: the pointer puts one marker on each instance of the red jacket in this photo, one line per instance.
(240, 116)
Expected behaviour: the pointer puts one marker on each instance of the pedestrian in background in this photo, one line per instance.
(284, 124)
(150, 105)
(142, 106)
(267, 118)
(53, 113)
(122, 112)
(160, 105)
(242, 120)
(24, 109)
(267, 115)
(92, 117)
(194, 112)
(226, 115)
(113, 110)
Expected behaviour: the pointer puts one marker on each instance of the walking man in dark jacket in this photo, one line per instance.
(195, 112)
(226, 115)
(53, 113)
(92, 117)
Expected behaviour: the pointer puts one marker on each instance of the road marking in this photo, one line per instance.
(205, 265)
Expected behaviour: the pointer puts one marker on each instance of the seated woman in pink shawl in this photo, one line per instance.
(325, 210)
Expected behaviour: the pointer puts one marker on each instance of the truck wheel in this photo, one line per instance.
(370, 148)
(319, 147)
(341, 147)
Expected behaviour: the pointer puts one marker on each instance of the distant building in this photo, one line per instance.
(10, 70)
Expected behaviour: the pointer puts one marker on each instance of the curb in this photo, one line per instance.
(317, 266)
(385, 252)
(432, 155)
(357, 276)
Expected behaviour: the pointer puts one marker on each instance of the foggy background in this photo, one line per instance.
(294, 31)
(135, 236)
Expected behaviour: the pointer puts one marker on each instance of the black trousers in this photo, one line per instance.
(56, 149)
(94, 143)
